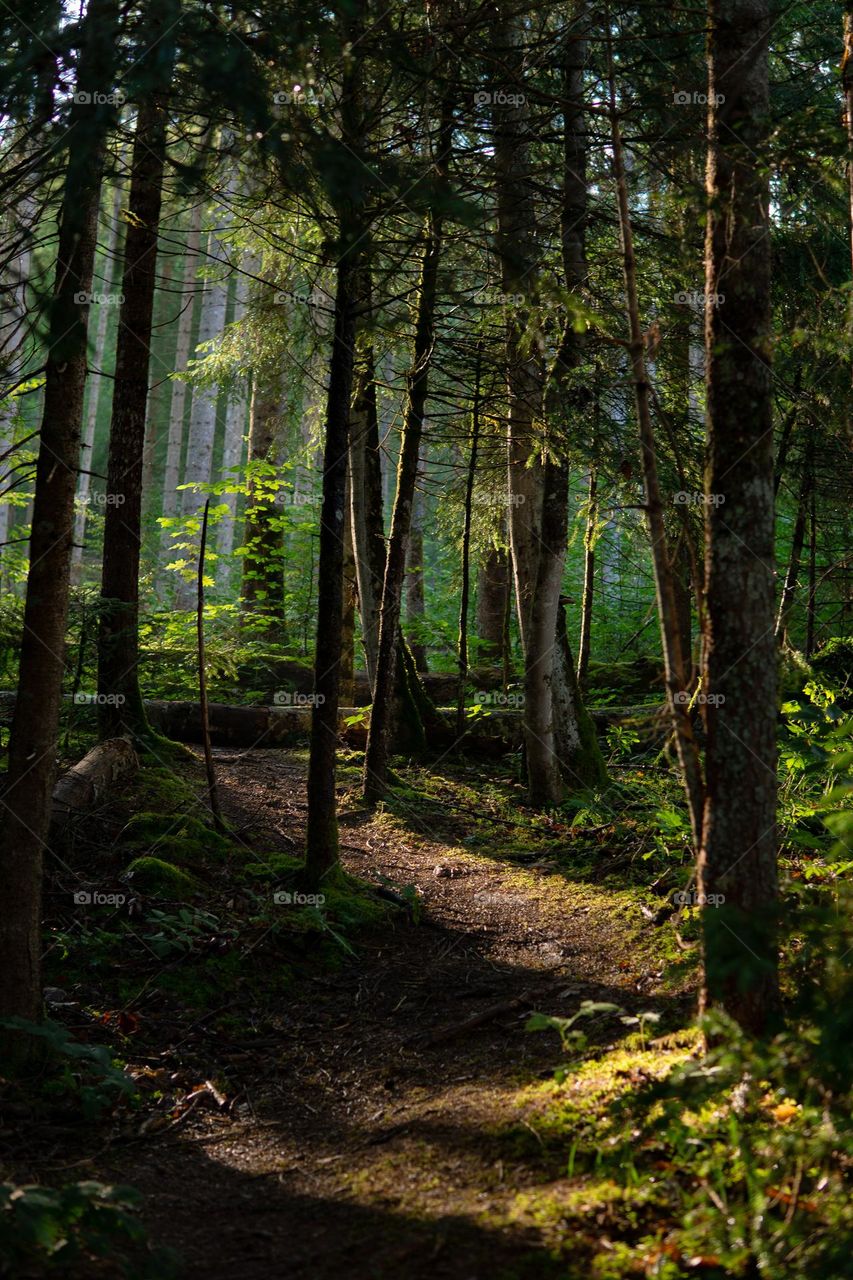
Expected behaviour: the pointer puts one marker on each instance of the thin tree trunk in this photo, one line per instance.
(121, 709)
(588, 574)
(180, 388)
(212, 789)
(321, 845)
(415, 601)
(262, 598)
(738, 855)
(376, 754)
(466, 547)
(673, 648)
(810, 607)
(96, 384)
(198, 465)
(27, 797)
(366, 499)
(350, 595)
(232, 456)
(798, 538)
(493, 592)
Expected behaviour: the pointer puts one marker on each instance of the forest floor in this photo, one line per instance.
(384, 1134)
(389, 1114)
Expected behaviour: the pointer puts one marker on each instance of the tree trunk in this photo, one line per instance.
(738, 854)
(198, 465)
(415, 601)
(665, 591)
(27, 798)
(798, 538)
(321, 845)
(366, 501)
(95, 386)
(588, 574)
(350, 596)
(493, 590)
(177, 407)
(120, 699)
(376, 755)
(321, 853)
(232, 457)
(466, 547)
(263, 564)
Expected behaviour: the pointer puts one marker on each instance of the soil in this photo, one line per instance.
(376, 1134)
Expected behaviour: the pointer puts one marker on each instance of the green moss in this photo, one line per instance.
(154, 875)
(184, 838)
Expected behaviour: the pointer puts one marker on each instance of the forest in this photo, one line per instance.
(426, 639)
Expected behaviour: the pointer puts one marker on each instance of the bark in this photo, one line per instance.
(739, 849)
(417, 386)
(415, 601)
(198, 465)
(366, 501)
(350, 597)
(160, 389)
(118, 633)
(321, 845)
(232, 457)
(466, 547)
(81, 787)
(180, 388)
(321, 856)
(96, 385)
(32, 749)
(518, 255)
(493, 591)
(588, 595)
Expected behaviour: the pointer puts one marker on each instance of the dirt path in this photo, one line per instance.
(359, 1147)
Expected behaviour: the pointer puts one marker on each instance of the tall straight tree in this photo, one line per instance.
(321, 849)
(417, 386)
(26, 800)
(739, 848)
(120, 704)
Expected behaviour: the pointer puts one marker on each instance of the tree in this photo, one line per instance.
(32, 748)
(120, 704)
(738, 854)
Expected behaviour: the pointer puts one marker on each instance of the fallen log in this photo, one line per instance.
(493, 731)
(82, 785)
